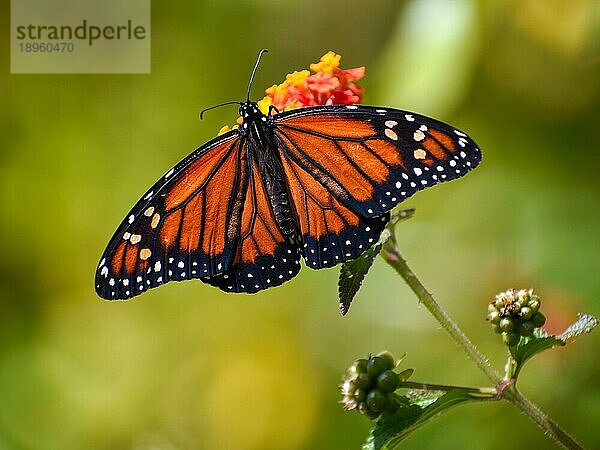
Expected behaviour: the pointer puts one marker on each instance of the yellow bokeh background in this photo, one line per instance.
(186, 366)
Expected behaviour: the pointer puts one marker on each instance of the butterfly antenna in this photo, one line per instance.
(218, 106)
(262, 52)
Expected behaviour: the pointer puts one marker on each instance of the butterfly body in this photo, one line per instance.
(315, 183)
(257, 132)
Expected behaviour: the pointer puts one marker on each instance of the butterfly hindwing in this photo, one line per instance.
(331, 232)
(184, 227)
(373, 158)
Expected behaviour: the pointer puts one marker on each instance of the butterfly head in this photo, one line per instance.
(249, 111)
(250, 114)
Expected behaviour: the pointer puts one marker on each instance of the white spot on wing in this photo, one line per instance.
(418, 135)
(419, 153)
(390, 133)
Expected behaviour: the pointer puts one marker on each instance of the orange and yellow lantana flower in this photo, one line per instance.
(328, 84)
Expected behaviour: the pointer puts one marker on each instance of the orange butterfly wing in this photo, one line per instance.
(348, 166)
(371, 158)
(331, 232)
(186, 226)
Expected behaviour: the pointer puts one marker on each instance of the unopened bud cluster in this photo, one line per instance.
(515, 313)
(369, 385)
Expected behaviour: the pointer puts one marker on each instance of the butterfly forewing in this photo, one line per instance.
(371, 158)
(186, 226)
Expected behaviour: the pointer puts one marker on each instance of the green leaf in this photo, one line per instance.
(353, 272)
(389, 431)
(540, 341)
(528, 347)
(585, 323)
(352, 275)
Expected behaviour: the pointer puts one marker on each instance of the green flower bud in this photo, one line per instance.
(538, 319)
(534, 304)
(372, 414)
(359, 366)
(369, 386)
(526, 328)
(513, 313)
(494, 317)
(377, 401)
(506, 324)
(389, 359)
(376, 365)
(361, 381)
(526, 312)
(388, 381)
(511, 338)
(516, 306)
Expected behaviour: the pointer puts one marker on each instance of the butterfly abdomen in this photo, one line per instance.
(271, 171)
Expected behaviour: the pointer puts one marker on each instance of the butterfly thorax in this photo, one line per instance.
(257, 129)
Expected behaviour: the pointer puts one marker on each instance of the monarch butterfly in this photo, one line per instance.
(315, 183)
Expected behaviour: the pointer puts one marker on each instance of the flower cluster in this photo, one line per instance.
(327, 85)
(515, 313)
(369, 385)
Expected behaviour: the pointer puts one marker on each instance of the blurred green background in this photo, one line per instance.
(189, 367)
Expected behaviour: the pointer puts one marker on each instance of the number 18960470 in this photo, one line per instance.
(46, 47)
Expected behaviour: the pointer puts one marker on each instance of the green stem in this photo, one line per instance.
(533, 411)
(391, 254)
(482, 392)
(506, 389)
